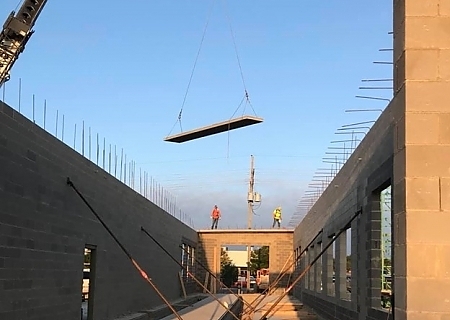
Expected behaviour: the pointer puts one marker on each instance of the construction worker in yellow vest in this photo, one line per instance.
(276, 217)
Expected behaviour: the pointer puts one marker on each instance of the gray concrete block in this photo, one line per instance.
(44, 227)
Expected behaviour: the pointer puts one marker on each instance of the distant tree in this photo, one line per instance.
(259, 259)
(224, 258)
(228, 270)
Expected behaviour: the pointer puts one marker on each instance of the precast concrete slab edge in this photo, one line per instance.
(207, 308)
(236, 308)
(162, 311)
(134, 316)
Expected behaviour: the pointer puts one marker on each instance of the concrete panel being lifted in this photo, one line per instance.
(216, 128)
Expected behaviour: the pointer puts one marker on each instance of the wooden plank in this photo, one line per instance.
(216, 128)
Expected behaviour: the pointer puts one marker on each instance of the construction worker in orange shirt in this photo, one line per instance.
(215, 216)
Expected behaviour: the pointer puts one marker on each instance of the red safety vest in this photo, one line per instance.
(215, 213)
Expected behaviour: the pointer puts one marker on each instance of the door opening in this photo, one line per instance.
(87, 289)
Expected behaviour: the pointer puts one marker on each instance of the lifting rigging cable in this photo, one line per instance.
(232, 123)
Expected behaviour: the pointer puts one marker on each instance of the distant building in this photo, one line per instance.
(239, 257)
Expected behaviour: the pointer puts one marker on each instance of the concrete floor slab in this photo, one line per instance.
(207, 309)
(289, 308)
(216, 128)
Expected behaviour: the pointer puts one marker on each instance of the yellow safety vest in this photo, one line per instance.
(277, 214)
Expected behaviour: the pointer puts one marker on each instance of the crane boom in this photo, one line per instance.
(16, 31)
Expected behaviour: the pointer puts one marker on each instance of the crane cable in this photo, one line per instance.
(193, 68)
(246, 96)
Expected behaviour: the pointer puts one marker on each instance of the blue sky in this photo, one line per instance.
(123, 69)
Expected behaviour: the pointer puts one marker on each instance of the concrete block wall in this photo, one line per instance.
(278, 240)
(44, 227)
(366, 172)
(340, 200)
(407, 148)
(421, 165)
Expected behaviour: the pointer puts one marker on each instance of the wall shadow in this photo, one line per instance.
(45, 226)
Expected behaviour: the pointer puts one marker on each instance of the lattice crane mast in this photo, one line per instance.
(16, 32)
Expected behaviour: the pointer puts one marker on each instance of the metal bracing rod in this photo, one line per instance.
(373, 98)
(352, 133)
(342, 230)
(364, 110)
(376, 88)
(272, 286)
(357, 124)
(339, 148)
(212, 274)
(188, 272)
(277, 279)
(341, 141)
(376, 80)
(352, 128)
(135, 264)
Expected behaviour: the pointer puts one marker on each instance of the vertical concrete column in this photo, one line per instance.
(356, 263)
(311, 271)
(294, 271)
(318, 268)
(421, 186)
(216, 270)
(327, 274)
(374, 255)
(341, 267)
(305, 262)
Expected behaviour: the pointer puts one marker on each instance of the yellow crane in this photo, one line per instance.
(17, 30)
